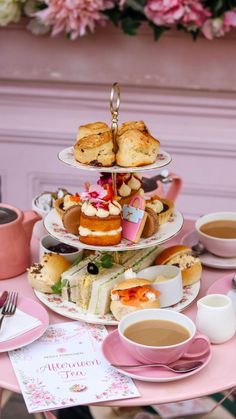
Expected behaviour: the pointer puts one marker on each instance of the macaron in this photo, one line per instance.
(151, 225)
(71, 219)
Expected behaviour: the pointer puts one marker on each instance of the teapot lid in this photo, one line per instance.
(7, 215)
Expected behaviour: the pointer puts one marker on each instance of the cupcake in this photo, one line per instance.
(100, 219)
(162, 207)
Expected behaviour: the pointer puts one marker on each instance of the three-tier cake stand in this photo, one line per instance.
(54, 226)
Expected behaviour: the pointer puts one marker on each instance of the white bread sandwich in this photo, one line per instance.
(131, 295)
(180, 256)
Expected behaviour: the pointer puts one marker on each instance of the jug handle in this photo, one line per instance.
(30, 218)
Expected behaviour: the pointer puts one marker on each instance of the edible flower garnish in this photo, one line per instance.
(94, 192)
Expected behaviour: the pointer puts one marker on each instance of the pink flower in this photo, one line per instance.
(94, 192)
(74, 17)
(215, 28)
(168, 12)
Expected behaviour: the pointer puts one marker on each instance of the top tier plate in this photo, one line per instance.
(67, 156)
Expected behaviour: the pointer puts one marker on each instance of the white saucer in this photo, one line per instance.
(208, 259)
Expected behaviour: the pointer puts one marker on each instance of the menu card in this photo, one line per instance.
(66, 367)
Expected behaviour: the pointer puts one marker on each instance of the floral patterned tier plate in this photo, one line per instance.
(67, 156)
(54, 226)
(208, 259)
(71, 311)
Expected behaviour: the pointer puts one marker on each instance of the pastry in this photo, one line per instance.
(42, 276)
(92, 128)
(95, 149)
(71, 219)
(100, 219)
(140, 125)
(151, 225)
(136, 148)
(127, 184)
(132, 295)
(66, 202)
(162, 207)
(133, 219)
(180, 256)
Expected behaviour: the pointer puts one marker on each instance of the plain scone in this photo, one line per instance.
(95, 149)
(136, 148)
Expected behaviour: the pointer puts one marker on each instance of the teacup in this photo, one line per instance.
(171, 289)
(48, 241)
(216, 317)
(225, 247)
(160, 354)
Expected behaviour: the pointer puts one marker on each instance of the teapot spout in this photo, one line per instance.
(30, 218)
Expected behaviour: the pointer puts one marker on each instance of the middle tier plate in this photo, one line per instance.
(54, 226)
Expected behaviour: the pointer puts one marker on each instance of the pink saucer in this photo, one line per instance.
(207, 258)
(36, 310)
(114, 352)
(224, 286)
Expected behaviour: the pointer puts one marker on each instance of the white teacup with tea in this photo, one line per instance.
(217, 232)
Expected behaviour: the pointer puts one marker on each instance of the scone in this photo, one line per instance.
(95, 150)
(90, 129)
(136, 148)
(42, 276)
(140, 125)
(100, 223)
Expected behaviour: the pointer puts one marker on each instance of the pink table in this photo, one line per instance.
(220, 373)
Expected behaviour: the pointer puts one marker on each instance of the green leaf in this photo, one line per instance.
(107, 261)
(157, 30)
(137, 5)
(130, 26)
(57, 288)
(114, 15)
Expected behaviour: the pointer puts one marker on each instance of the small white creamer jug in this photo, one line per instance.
(216, 318)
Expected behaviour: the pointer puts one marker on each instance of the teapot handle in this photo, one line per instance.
(175, 187)
(30, 218)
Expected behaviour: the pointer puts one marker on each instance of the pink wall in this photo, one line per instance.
(185, 91)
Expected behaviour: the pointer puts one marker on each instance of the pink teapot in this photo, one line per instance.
(15, 234)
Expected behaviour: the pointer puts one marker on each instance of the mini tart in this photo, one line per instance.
(167, 211)
(71, 219)
(58, 205)
(151, 225)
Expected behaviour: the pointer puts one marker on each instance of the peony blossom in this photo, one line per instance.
(74, 17)
(215, 28)
(10, 11)
(189, 13)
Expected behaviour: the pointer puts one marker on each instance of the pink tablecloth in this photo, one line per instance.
(220, 373)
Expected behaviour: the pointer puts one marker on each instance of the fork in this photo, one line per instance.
(9, 308)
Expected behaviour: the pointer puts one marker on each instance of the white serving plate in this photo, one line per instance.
(71, 311)
(54, 226)
(67, 157)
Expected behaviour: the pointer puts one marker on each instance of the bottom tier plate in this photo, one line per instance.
(71, 311)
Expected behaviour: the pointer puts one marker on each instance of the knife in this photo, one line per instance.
(3, 298)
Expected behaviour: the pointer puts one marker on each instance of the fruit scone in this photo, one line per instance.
(100, 220)
(94, 145)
